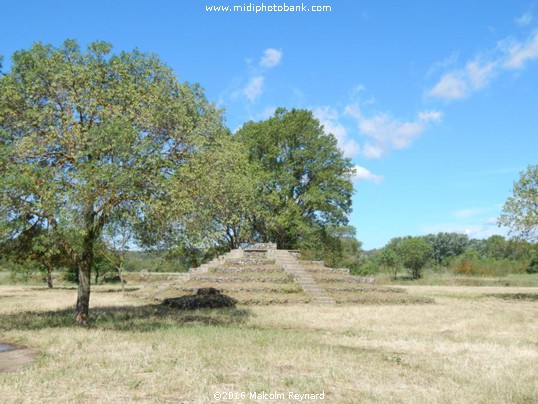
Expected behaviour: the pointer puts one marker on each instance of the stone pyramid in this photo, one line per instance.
(262, 274)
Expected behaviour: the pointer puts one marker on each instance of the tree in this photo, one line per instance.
(520, 211)
(83, 134)
(305, 182)
(33, 248)
(337, 246)
(412, 252)
(352, 256)
(388, 259)
(447, 245)
(497, 247)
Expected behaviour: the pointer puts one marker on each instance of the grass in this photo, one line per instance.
(482, 349)
(446, 278)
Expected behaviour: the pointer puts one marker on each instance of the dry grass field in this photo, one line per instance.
(473, 345)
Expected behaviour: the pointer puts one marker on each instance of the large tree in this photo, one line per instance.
(86, 133)
(520, 211)
(305, 182)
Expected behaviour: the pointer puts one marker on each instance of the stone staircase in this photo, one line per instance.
(294, 267)
(215, 262)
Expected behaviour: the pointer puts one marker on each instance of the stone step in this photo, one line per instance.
(292, 266)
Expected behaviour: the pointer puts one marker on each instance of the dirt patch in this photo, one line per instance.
(13, 358)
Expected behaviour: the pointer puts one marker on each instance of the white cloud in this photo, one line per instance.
(372, 151)
(525, 19)
(362, 174)
(460, 83)
(254, 88)
(353, 110)
(450, 87)
(519, 53)
(351, 148)
(271, 58)
(478, 74)
(390, 133)
(329, 118)
(509, 54)
(430, 116)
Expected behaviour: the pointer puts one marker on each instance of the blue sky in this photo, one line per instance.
(436, 104)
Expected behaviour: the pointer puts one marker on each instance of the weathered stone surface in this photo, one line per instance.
(249, 261)
(230, 269)
(263, 246)
(255, 254)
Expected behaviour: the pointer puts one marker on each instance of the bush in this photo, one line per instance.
(533, 266)
(370, 267)
(470, 263)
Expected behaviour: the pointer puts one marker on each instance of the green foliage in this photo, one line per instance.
(520, 211)
(412, 252)
(218, 186)
(472, 263)
(446, 246)
(389, 261)
(23, 271)
(496, 247)
(533, 266)
(352, 254)
(336, 246)
(305, 183)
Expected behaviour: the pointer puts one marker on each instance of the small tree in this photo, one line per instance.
(520, 211)
(414, 253)
(389, 261)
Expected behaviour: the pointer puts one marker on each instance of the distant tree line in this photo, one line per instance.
(454, 252)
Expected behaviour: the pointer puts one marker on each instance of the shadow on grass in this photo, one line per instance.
(515, 296)
(125, 318)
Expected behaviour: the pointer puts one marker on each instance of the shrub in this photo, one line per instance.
(470, 263)
(533, 266)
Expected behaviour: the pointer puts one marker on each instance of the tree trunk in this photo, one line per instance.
(83, 296)
(49, 277)
(48, 264)
(84, 266)
(120, 273)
